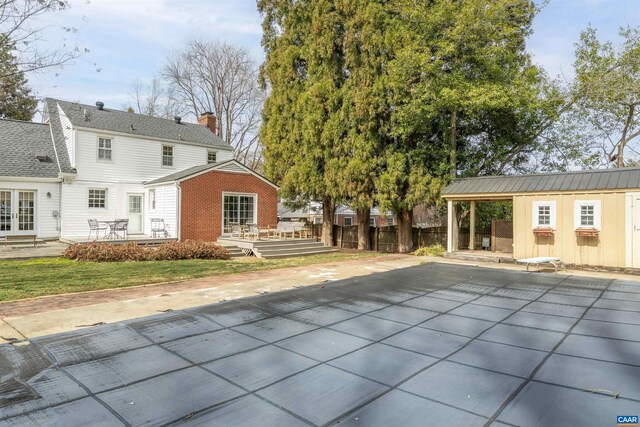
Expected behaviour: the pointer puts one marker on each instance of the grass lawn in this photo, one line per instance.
(21, 279)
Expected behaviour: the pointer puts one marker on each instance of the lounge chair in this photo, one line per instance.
(253, 232)
(236, 230)
(541, 260)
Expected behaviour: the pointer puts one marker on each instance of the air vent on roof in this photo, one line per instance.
(100, 105)
(132, 127)
(42, 158)
(177, 119)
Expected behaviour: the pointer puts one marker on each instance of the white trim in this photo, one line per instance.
(214, 167)
(597, 213)
(28, 179)
(155, 138)
(53, 141)
(633, 206)
(233, 193)
(350, 221)
(210, 152)
(552, 213)
(178, 209)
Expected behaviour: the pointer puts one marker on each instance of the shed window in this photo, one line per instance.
(347, 221)
(317, 220)
(167, 155)
(372, 221)
(544, 214)
(587, 214)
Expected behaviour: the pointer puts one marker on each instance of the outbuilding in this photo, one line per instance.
(586, 218)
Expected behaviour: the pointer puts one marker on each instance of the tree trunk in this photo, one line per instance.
(405, 234)
(453, 145)
(328, 211)
(362, 218)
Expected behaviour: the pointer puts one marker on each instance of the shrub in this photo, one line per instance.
(105, 252)
(433, 250)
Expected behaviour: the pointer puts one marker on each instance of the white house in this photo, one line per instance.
(92, 162)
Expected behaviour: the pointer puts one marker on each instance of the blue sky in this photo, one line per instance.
(129, 39)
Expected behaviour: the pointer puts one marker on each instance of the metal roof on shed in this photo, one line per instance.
(592, 180)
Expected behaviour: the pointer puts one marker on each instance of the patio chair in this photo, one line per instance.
(121, 228)
(236, 230)
(158, 228)
(284, 229)
(96, 226)
(253, 232)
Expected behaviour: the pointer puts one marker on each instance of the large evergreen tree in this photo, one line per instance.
(16, 100)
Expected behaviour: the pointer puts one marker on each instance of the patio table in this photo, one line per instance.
(112, 228)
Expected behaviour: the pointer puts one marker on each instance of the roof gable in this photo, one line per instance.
(109, 120)
(591, 180)
(233, 166)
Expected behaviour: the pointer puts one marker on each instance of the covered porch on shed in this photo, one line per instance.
(497, 245)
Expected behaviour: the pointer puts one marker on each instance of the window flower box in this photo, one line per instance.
(587, 232)
(543, 232)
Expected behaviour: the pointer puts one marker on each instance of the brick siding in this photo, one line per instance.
(201, 202)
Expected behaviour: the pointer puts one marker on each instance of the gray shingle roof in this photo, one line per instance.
(58, 136)
(20, 143)
(599, 179)
(121, 121)
(184, 173)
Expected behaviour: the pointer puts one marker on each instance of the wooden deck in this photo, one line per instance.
(271, 249)
(482, 256)
(139, 239)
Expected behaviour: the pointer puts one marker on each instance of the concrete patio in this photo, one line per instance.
(428, 345)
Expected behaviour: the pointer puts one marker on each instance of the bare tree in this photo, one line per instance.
(155, 100)
(21, 28)
(221, 78)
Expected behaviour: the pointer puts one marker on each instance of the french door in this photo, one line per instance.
(17, 212)
(238, 208)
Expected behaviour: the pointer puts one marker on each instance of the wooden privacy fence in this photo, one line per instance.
(385, 239)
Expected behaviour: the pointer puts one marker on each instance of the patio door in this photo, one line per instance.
(17, 212)
(134, 213)
(238, 208)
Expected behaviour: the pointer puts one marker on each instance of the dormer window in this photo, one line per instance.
(105, 149)
(212, 157)
(167, 155)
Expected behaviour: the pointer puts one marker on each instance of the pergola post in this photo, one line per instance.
(472, 225)
(452, 227)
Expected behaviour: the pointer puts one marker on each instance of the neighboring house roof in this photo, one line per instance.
(20, 143)
(591, 180)
(315, 208)
(110, 120)
(226, 166)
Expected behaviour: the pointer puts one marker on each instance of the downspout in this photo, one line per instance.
(178, 209)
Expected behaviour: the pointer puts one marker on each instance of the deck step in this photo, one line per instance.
(295, 249)
(298, 254)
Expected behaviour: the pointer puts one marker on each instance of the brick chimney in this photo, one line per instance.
(209, 120)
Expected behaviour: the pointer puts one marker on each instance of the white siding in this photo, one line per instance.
(134, 161)
(166, 208)
(47, 226)
(67, 130)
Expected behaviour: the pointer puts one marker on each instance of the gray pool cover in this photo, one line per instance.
(430, 345)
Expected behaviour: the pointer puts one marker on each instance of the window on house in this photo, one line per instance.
(587, 214)
(544, 214)
(238, 208)
(152, 199)
(167, 155)
(212, 157)
(98, 198)
(390, 220)
(105, 148)
(317, 220)
(347, 221)
(372, 221)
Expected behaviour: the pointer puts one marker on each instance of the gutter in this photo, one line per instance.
(178, 209)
